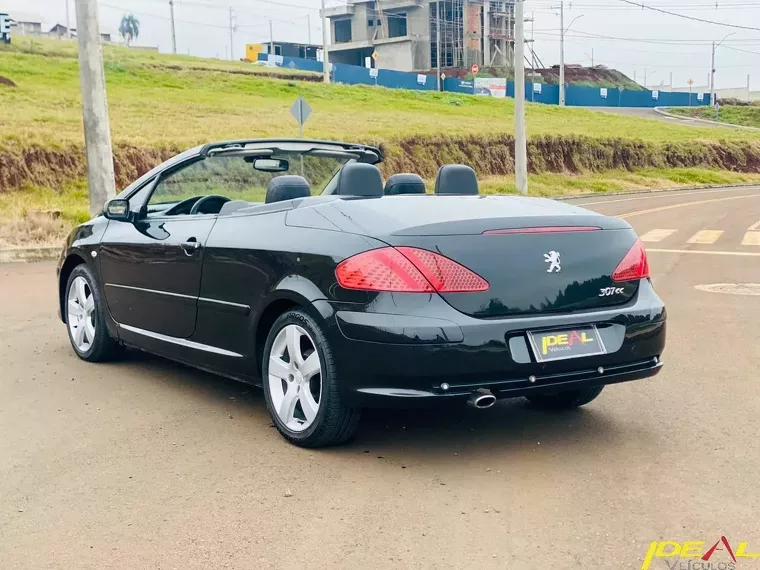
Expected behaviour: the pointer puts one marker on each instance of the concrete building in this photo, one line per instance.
(402, 33)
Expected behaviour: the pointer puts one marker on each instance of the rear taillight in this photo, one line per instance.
(634, 265)
(407, 269)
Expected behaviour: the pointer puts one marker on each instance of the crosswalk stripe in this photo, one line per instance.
(706, 236)
(751, 238)
(753, 227)
(656, 235)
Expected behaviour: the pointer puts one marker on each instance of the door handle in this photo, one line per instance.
(191, 246)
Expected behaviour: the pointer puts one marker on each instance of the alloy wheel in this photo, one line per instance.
(80, 314)
(295, 378)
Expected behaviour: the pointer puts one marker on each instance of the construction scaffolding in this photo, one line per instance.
(472, 32)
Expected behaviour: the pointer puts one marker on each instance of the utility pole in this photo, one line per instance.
(308, 25)
(671, 81)
(748, 87)
(97, 132)
(533, 56)
(592, 57)
(325, 41)
(232, 43)
(561, 53)
(68, 27)
(712, 68)
(271, 39)
(521, 150)
(438, 43)
(174, 31)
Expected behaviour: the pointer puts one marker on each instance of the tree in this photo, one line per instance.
(129, 28)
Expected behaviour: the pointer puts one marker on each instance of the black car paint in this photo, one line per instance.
(210, 307)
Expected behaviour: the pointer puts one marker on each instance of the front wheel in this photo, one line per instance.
(565, 400)
(301, 384)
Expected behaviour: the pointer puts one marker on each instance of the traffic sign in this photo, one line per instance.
(300, 111)
(443, 76)
(375, 55)
(475, 68)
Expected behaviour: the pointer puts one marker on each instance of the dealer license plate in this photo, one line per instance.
(566, 343)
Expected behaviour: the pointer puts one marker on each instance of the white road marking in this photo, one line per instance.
(651, 195)
(751, 238)
(656, 235)
(705, 252)
(705, 236)
(684, 204)
(753, 227)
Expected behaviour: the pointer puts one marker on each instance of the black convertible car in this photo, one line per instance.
(289, 264)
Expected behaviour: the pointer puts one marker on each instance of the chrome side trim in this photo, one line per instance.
(244, 310)
(180, 341)
(157, 292)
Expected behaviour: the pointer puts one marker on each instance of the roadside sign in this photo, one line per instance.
(373, 72)
(375, 55)
(300, 111)
(475, 68)
(690, 82)
(443, 76)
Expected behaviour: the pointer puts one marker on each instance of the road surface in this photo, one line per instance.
(148, 464)
(649, 113)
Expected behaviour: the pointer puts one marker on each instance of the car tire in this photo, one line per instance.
(86, 316)
(565, 400)
(291, 387)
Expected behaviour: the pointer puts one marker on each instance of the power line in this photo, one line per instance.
(644, 6)
(742, 50)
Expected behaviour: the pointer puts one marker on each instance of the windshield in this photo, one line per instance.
(241, 177)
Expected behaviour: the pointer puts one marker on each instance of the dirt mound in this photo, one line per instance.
(7, 82)
(489, 156)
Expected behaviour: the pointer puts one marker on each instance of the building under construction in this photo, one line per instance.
(406, 34)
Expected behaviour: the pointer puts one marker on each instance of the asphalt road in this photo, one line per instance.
(649, 113)
(148, 464)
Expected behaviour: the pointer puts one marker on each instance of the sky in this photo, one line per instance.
(636, 41)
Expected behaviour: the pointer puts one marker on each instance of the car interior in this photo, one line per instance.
(353, 179)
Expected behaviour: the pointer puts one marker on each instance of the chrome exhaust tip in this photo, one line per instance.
(481, 399)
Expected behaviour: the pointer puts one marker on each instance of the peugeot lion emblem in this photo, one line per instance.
(552, 258)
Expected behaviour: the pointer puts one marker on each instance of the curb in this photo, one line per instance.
(32, 254)
(662, 111)
(29, 254)
(655, 191)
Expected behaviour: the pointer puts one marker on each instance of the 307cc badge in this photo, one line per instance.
(565, 344)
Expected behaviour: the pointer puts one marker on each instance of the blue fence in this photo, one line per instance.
(539, 93)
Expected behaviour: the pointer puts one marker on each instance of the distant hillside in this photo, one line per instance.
(597, 76)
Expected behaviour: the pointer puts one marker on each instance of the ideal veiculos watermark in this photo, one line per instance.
(682, 555)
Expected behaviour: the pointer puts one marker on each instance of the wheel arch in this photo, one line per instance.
(73, 260)
(291, 293)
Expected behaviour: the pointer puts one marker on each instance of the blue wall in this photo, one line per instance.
(574, 96)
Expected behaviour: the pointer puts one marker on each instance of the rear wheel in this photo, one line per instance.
(86, 318)
(301, 384)
(565, 400)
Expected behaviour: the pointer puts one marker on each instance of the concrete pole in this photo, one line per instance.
(325, 42)
(271, 39)
(561, 53)
(712, 76)
(174, 31)
(232, 42)
(521, 151)
(748, 87)
(308, 25)
(532, 56)
(68, 25)
(97, 133)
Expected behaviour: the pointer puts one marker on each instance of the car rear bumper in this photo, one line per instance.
(431, 352)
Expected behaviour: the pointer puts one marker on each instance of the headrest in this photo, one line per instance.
(360, 179)
(456, 179)
(404, 184)
(287, 187)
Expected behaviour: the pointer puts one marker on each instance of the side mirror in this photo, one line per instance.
(117, 210)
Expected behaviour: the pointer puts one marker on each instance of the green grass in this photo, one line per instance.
(152, 105)
(748, 116)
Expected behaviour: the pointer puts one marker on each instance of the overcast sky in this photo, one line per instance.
(666, 45)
